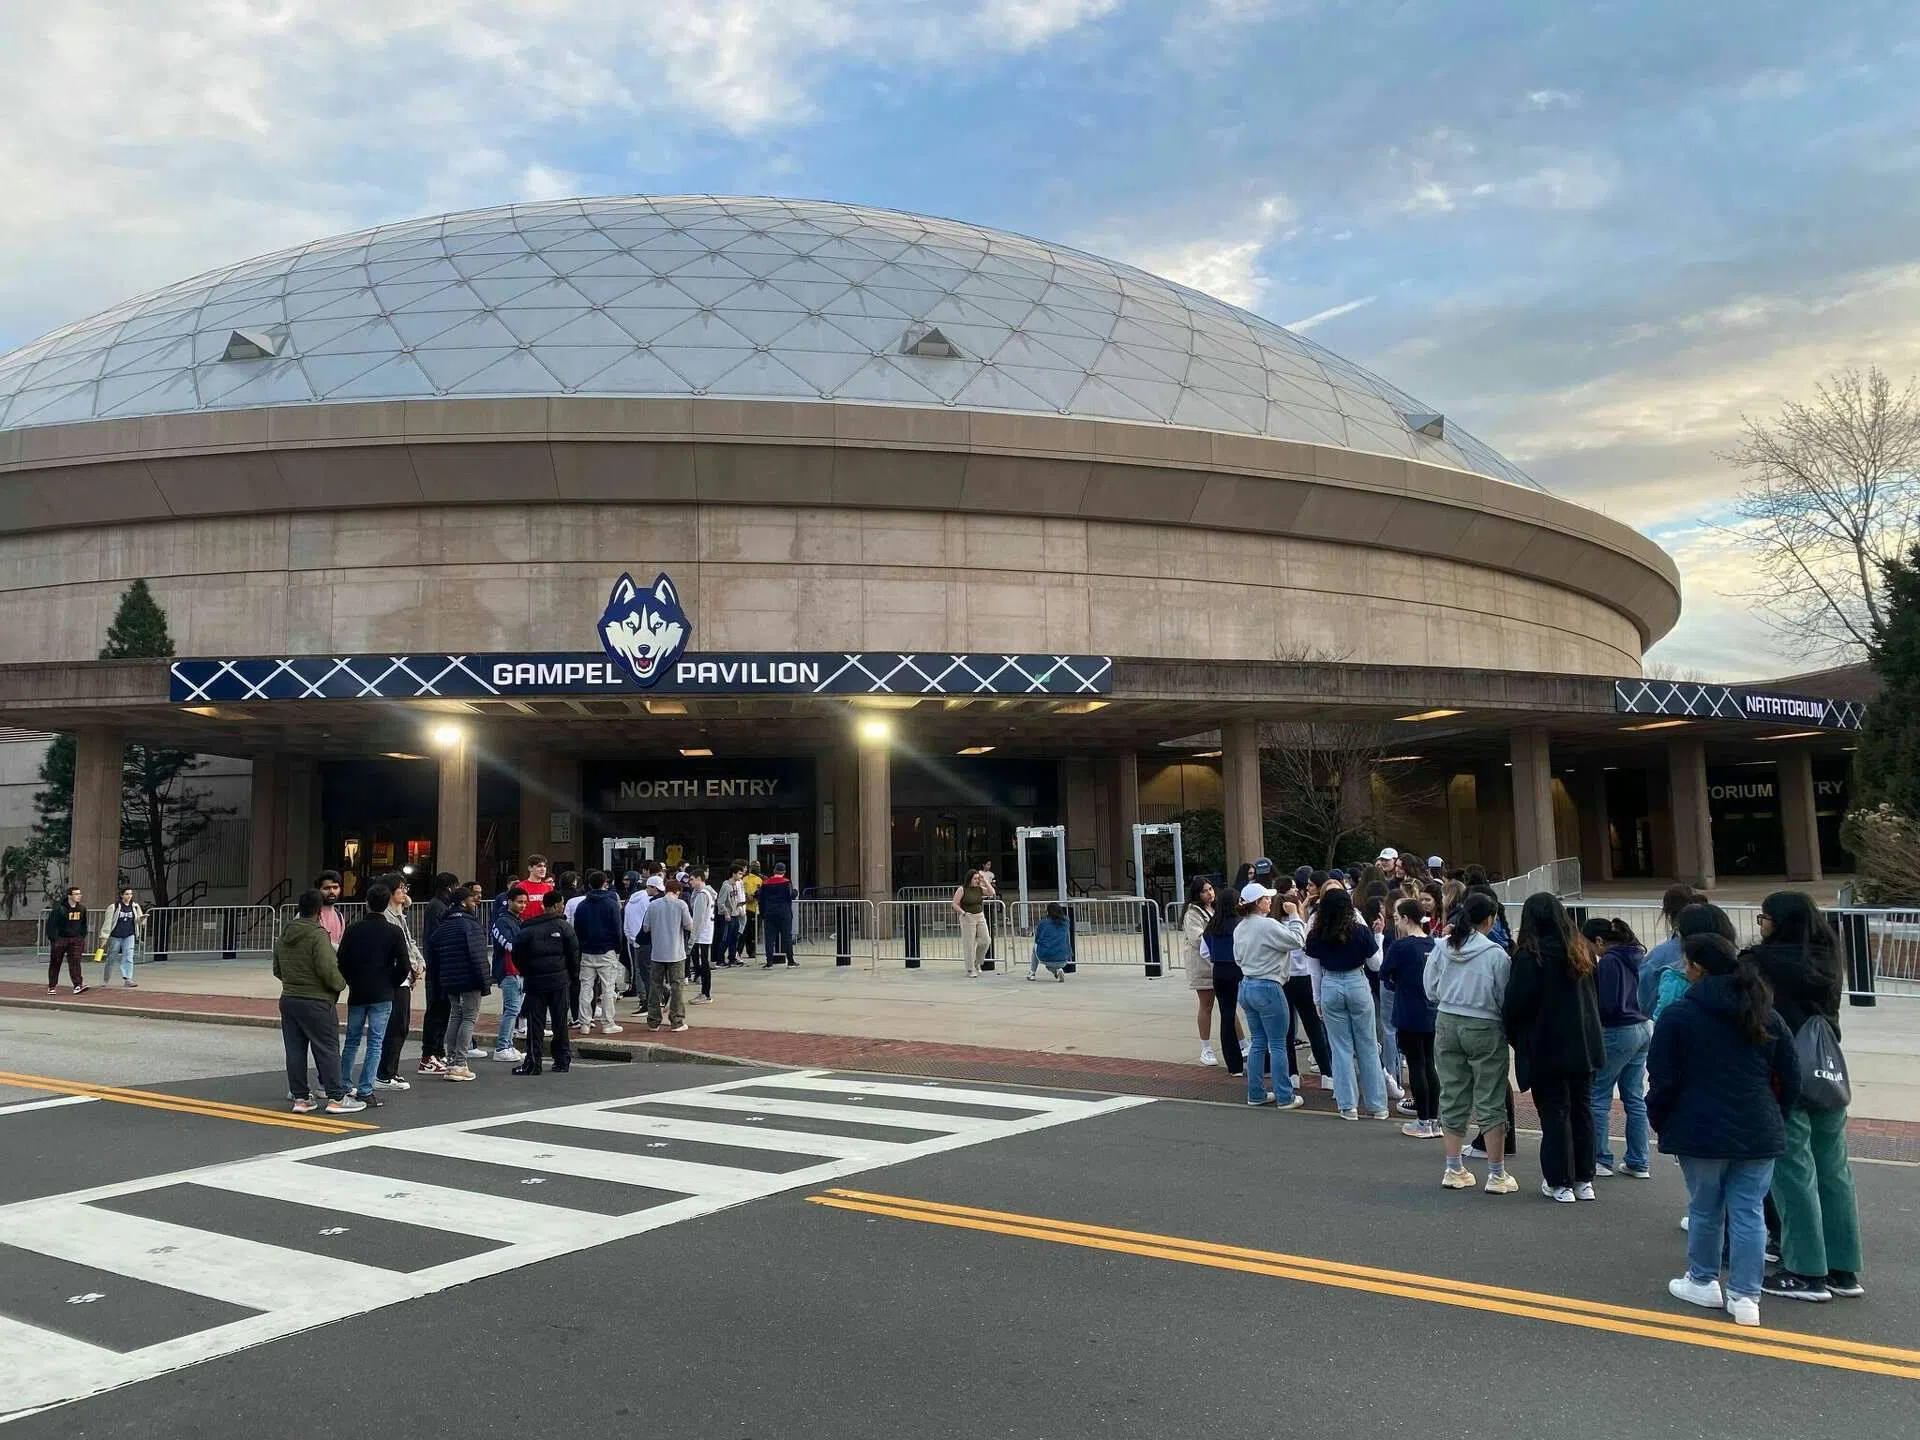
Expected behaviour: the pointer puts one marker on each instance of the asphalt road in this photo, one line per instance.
(1276, 1272)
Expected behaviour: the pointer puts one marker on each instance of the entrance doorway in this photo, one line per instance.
(771, 850)
(621, 853)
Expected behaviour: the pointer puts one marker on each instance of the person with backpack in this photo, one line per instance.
(1626, 1031)
(1723, 1078)
(1812, 1181)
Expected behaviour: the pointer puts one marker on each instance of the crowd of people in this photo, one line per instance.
(1412, 985)
(562, 953)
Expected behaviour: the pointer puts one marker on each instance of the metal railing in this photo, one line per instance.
(926, 894)
(918, 932)
(1644, 917)
(227, 930)
(1114, 930)
(1881, 951)
(837, 932)
(1557, 877)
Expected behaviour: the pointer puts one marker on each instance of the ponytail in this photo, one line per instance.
(1474, 912)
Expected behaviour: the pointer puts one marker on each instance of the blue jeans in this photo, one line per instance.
(119, 947)
(726, 940)
(1265, 1005)
(1626, 1071)
(1733, 1192)
(1389, 1037)
(1346, 1003)
(512, 988)
(372, 1021)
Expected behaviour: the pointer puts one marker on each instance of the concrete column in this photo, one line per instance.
(876, 821)
(1533, 833)
(1692, 822)
(1596, 845)
(550, 785)
(305, 844)
(1493, 808)
(1123, 813)
(93, 853)
(845, 796)
(1799, 814)
(456, 835)
(267, 826)
(1463, 821)
(1240, 776)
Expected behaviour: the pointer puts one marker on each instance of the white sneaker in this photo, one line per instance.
(1584, 1191)
(1394, 1090)
(1562, 1194)
(1704, 1294)
(477, 1052)
(1207, 1057)
(394, 1084)
(509, 1054)
(1603, 1172)
(1246, 1046)
(1744, 1309)
(609, 1028)
(1326, 1082)
(1685, 1221)
(520, 1030)
(680, 1027)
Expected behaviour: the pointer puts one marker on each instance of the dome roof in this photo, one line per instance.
(699, 295)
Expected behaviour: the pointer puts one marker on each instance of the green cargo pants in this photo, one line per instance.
(1813, 1190)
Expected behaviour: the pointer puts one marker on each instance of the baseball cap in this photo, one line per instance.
(1389, 853)
(656, 882)
(1250, 893)
(1435, 862)
(1303, 877)
(1336, 874)
(1263, 867)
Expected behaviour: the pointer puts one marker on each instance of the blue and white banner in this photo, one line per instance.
(481, 677)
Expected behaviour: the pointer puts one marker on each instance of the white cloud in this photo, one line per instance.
(1551, 99)
(1333, 312)
(147, 143)
(1224, 264)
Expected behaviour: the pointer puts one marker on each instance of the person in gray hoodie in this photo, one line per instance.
(670, 929)
(1466, 978)
(1263, 948)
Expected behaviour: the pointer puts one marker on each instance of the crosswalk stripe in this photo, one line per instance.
(406, 1201)
(684, 1176)
(859, 1114)
(927, 1090)
(222, 1267)
(296, 1289)
(741, 1137)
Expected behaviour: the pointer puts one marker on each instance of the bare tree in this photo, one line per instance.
(1831, 493)
(1318, 786)
(1666, 670)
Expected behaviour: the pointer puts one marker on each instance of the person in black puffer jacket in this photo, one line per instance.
(1723, 1076)
(1552, 1019)
(458, 963)
(547, 955)
(1813, 1181)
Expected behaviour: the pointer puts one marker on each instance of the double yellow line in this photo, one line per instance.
(316, 1123)
(1439, 1290)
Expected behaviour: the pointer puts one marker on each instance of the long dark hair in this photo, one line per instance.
(1753, 996)
(1603, 933)
(1335, 918)
(1703, 917)
(1223, 916)
(1545, 927)
(1677, 898)
(1474, 912)
(1194, 902)
(1797, 922)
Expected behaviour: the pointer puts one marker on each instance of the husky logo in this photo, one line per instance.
(646, 631)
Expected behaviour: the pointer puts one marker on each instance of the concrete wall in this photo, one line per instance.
(523, 577)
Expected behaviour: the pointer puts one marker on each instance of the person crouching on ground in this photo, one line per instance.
(1263, 949)
(1723, 1076)
(310, 986)
(1052, 944)
(546, 952)
(459, 965)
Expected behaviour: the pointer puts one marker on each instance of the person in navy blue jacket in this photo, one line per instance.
(1414, 1015)
(458, 963)
(1722, 1075)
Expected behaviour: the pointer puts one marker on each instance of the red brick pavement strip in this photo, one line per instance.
(1897, 1140)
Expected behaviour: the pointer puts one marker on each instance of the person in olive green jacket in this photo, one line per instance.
(310, 986)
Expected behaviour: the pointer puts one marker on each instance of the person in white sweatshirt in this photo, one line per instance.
(1466, 979)
(1263, 948)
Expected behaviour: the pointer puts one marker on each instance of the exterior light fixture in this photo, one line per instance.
(1430, 715)
(1793, 735)
(876, 731)
(695, 752)
(1657, 725)
(975, 750)
(666, 707)
(447, 736)
(1396, 759)
(1080, 707)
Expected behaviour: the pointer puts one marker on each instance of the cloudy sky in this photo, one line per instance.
(1595, 233)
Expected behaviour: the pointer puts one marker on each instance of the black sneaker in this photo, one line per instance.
(1845, 1283)
(1785, 1285)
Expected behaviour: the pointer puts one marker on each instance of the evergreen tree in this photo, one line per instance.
(1886, 768)
(162, 816)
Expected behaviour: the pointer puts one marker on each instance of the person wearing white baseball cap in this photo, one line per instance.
(1263, 949)
(1437, 867)
(1389, 861)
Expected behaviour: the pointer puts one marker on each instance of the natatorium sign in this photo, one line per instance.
(522, 676)
(1692, 700)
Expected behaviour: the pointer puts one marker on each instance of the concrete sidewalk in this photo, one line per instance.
(1109, 1013)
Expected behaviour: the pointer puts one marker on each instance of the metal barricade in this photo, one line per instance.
(1644, 917)
(1880, 950)
(917, 932)
(1110, 930)
(225, 930)
(1556, 877)
(836, 932)
(925, 894)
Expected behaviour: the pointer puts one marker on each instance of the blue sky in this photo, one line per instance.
(1597, 234)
